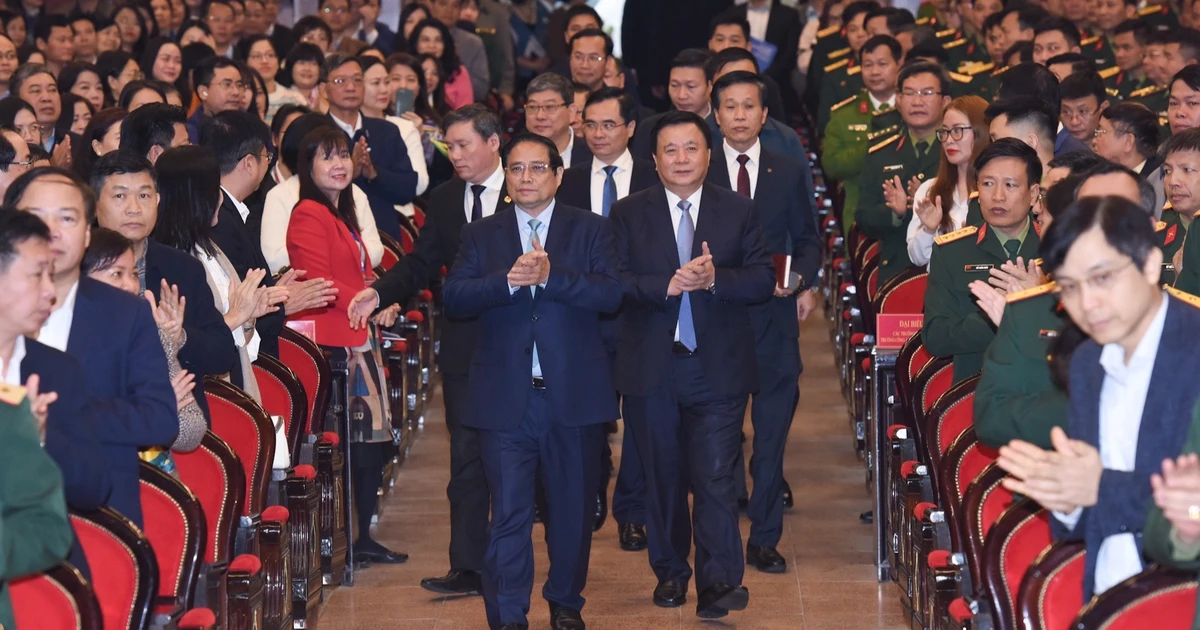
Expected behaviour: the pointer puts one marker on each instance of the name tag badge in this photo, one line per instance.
(858, 127)
(1168, 266)
(1047, 334)
(893, 167)
(983, 267)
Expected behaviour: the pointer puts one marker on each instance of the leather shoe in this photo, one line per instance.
(563, 618)
(670, 594)
(600, 514)
(633, 537)
(717, 600)
(456, 582)
(788, 501)
(515, 626)
(765, 559)
(374, 552)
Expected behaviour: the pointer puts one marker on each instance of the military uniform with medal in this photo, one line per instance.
(853, 124)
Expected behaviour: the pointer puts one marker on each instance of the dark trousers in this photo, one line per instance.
(688, 436)
(771, 412)
(569, 459)
(467, 490)
(629, 496)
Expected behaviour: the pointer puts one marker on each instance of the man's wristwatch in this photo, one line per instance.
(712, 287)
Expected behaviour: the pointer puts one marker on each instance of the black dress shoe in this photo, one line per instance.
(563, 618)
(633, 537)
(670, 594)
(376, 553)
(717, 600)
(456, 582)
(788, 501)
(601, 512)
(765, 559)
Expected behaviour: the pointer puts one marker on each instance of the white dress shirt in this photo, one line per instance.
(12, 371)
(758, 19)
(526, 232)
(677, 216)
(731, 161)
(57, 329)
(622, 177)
(1122, 402)
(876, 103)
(243, 209)
(567, 152)
(920, 242)
(490, 196)
(416, 155)
(350, 130)
(222, 280)
(277, 213)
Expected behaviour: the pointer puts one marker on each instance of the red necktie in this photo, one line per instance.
(743, 182)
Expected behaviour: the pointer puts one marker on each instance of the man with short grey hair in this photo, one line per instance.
(549, 110)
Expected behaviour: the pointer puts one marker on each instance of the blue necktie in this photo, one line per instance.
(610, 189)
(534, 226)
(683, 240)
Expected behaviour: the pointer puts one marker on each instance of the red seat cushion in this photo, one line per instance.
(1024, 546)
(241, 431)
(960, 610)
(276, 398)
(1163, 610)
(119, 586)
(40, 602)
(331, 437)
(305, 471)
(425, 295)
(1063, 596)
(415, 316)
(166, 527)
(276, 514)
(197, 618)
(938, 559)
(246, 563)
(207, 478)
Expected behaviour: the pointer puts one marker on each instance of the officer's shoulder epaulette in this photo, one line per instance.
(1113, 92)
(955, 235)
(853, 71)
(978, 68)
(1196, 214)
(837, 64)
(882, 132)
(1160, 226)
(1146, 91)
(1041, 289)
(961, 78)
(1089, 41)
(839, 53)
(827, 31)
(1151, 9)
(956, 43)
(946, 33)
(1001, 70)
(884, 112)
(844, 103)
(1184, 296)
(974, 194)
(922, 21)
(884, 143)
(1108, 73)
(11, 394)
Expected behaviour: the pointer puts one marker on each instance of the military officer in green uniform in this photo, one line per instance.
(1129, 47)
(1097, 48)
(870, 113)
(1181, 156)
(830, 39)
(1008, 172)
(842, 75)
(901, 162)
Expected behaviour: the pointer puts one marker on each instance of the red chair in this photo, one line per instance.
(282, 395)
(307, 362)
(392, 252)
(1013, 542)
(1158, 598)
(175, 526)
(1051, 592)
(246, 586)
(984, 501)
(215, 476)
(115, 546)
(58, 599)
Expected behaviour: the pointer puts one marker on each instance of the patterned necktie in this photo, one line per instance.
(610, 189)
(1012, 246)
(743, 181)
(477, 209)
(534, 226)
(683, 241)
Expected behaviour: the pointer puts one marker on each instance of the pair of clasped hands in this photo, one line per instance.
(531, 268)
(697, 275)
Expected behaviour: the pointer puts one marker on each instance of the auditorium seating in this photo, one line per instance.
(1156, 598)
(174, 525)
(114, 545)
(58, 599)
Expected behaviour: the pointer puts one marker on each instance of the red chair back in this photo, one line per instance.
(309, 365)
(912, 359)
(984, 500)
(174, 524)
(1013, 542)
(123, 559)
(215, 476)
(872, 270)
(950, 417)
(282, 395)
(903, 293)
(247, 429)
(58, 599)
(392, 251)
(1158, 598)
(931, 382)
(1051, 591)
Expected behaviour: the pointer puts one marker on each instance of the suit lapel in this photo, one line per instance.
(1162, 398)
(709, 202)
(718, 170)
(78, 337)
(660, 225)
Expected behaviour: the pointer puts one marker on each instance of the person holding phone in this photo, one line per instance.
(377, 102)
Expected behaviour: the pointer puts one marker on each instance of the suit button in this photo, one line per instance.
(535, 317)
(1123, 529)
(528, 351)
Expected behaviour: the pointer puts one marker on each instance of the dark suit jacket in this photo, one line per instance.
(239, 241)
(396, 181)
(437, 247)
(788, 226)
(581, 153)
(209, 348)
(783, 31)
(645, 239)
(1124, 497)
(576, 187)
(130, 398)
(653, 33)
(562, 319)
(1066, 143)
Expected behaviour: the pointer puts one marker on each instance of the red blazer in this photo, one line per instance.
(321, 244)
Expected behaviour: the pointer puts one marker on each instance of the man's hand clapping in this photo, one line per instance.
(531, 269)
(697, 275)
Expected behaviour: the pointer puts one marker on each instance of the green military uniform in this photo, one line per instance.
(852, 125)
(954, 326)
(1171, 232)
(1188, 278)
(897, 156)
(963, 49)
(34, 531)
(1159, 16)
(1156, 98)
(830, 46)
(973, 79)
(1097, 48)
(843, 79)
(926, 14)
(1121, 84)
(1015, 399)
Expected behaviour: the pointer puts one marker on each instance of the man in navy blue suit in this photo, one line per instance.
(540, 387)
(112, 334)
(692, 261)
(1132, 386)
(381, 165)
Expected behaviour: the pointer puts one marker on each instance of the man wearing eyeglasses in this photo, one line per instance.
(549, 110)
(589, 52)
(337, 15)
(220, 18)
(14, 158)
(541, 387)
(219, 86)
(897, 165)
(34, 83)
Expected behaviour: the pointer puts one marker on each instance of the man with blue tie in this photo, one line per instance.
(692, 261)
(540, 387)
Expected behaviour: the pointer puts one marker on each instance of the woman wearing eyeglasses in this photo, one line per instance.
(940, 204)
(325, 240)
(431, 37)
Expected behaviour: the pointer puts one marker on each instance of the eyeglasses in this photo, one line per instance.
(230, 84)
(584, 57)
(9, 56)
(267, 155)
(954, 132)
(34, 130)
(607, 125)
(338, 11)
(1100, 281)
(926, 93)
(537, 168)
(549, 109)
(21, 163)
(343, 81)
(267, 56)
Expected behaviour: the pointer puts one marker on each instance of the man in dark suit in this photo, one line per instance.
(732, 33)
(153, 128)
(685, 359)
(112, 334)
(689, 90)
(777, 186)
(541, 387)
(35, 84)
(381, 165)
(1132, 392)
(127, 202)
(473, 135)
(653, 33)
(219, 86)
(549, 110)
(614, 174)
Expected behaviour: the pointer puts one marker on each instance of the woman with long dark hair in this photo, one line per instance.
(412, 14)
(76, 114)
(82, 79)
(117, 68)
(323, 238)
(133, 29)
(102, 135)
(189, 188)
(432, 38)
(163, 61)
(258, 51)
(17, 115)
(405, 72)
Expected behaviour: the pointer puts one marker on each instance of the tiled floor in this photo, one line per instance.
(829, 584)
